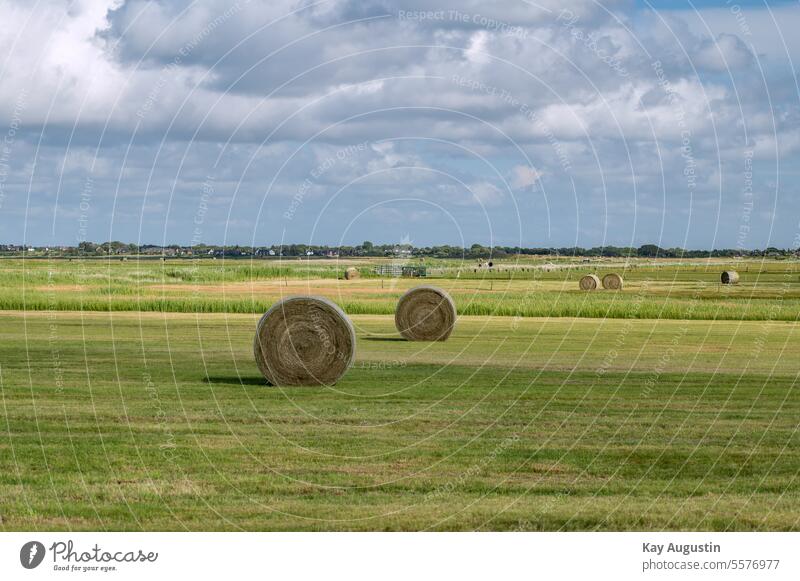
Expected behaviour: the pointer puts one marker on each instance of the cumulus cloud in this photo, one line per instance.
(725, 52)
(486, 193)
(147, 97)
(524, 176)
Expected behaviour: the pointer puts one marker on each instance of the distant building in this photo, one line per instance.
(397, 270)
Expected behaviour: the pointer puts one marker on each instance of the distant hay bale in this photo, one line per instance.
(304, 341)
(425, 313)
(612, 281)
(589, 282)
(351, 273)
(729, 277)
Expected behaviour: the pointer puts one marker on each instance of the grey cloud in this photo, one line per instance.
(573, 94)
(725, 52)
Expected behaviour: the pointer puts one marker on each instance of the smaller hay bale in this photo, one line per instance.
(589, 282)
(729, 277)
(351, 273)
(425, 313)
(304, 341)
(612, 281)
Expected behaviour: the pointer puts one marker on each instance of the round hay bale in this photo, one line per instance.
(304, 341)
(729, 277)
(612, 281)
(425, 313)
(589, 282)
(351, 273)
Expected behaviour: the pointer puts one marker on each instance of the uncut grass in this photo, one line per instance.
(98, 271)
(770, 290)
(59, 271)
(475, 447)
(534, 304)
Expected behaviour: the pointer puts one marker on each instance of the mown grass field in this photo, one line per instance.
(160, 421)
(668, 289)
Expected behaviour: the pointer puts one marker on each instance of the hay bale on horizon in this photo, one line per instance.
(351, 273)
(612, 281)
(589, 282)
(729, 277)
(304, 340)
(425, 313)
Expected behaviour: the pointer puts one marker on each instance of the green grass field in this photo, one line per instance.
(769, 290)
(160, 421)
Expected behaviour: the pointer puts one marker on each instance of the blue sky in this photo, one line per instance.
(510, 123)
(686, 4)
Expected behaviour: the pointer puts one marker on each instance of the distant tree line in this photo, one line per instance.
(476, 251)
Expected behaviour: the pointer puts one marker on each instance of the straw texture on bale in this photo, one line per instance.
(612, 281)
(425, 313)
(729, 277)
(351, 273)
(304, 341)
(589, 282)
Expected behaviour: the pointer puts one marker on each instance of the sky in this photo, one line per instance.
(511, 123)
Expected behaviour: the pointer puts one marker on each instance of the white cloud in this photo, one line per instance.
(486, 193)
(427, 97)
(524, 176)
(726, 52)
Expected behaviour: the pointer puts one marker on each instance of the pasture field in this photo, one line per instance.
(160, 421)
(528, 287)
(129, 400)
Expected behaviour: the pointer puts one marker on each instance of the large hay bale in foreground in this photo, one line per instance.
(589, 282)
(612, 281)
(729, 277)
(425, 313)
(351, 273)
(304, 341)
